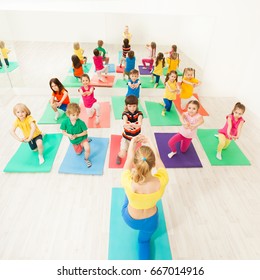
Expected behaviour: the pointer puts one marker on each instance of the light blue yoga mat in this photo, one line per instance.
(12, 66)
(26, 160)
(118, 105)
(123, 243)
(75, 164)
(120, 53)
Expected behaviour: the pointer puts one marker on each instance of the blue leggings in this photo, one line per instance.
(146, 226)
(157, 78)
(168, 104)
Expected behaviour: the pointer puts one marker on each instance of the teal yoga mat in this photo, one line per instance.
(48, 114)
(120, 83)
(123, 239)
(118, 105)
(71, 81)
(12, 66)
(146, 82)
(165, 69)
(86, 68)
(75, 164)
(231, 156)
(25, 160)
(154, 110)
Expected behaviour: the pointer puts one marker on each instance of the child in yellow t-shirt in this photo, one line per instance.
(79, 53)
(187, 85)
(32, 134)
(4, 52)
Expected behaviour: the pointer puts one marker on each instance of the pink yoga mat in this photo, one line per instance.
(109, 81)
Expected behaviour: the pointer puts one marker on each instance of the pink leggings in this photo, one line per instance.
(185, 143)
(148, 60)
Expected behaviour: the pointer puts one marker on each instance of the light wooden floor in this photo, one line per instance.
(211, 212)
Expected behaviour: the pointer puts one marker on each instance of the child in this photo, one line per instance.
(158, 69)
(187, 85)
(151, 56)
(171, 89)
(127, 34)
(173, 61)
(173, 50)
(5, 53)
(87, 93)
(132, 121)
(79, 53)
(232, 129)
(32, 134)
(133, 83)
(60, 98)
(100, 68)
(129, 64)
(102, 51)
(125, 48)
(190, 120)
(77, 131)
(77, 66)
(143, 189)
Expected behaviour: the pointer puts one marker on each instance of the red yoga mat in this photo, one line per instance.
(109, 81)
(120, 69)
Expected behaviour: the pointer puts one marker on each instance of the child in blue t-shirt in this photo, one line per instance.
(129, 63)
(133, 83)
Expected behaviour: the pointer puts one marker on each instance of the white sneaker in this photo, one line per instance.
(57, 114)
(218, 156)
(216, 135)
(171, 154)
(97, 120)
(41, 159)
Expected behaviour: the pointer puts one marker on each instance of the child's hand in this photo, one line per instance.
(71, 137)
(59, 104)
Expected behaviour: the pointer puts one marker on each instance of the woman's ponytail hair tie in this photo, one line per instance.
(144, 159)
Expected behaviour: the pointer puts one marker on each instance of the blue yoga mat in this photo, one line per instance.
(123, 239)
(75, 164)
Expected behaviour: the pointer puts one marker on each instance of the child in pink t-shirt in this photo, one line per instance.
(190, 120)
(89, 101)
(100, 68)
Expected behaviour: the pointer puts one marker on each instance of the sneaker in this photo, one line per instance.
(88, 163)
(155, 85)
(57, 114)
(89, 139)
(171, 154)
(216, 135)
(118, 160)
(162, 103)
(97, 120)
(163, 113)
(41, 159)
(102, 80)
(218, 156)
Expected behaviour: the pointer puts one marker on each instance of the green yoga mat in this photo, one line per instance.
(48, 115)
(12, 65)
(154, 110)
(123, 239)
(25, 160)
(146, 82)
(165, 69)
(231, 156)
(71, 81)
(118, 105)
(120, 83)
(86, 68)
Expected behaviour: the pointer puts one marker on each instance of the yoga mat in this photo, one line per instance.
(179, 160)
(71, 81)
(144, 70)
(118, 104)
(109, 81)
(12, 66)
(165, 69)
(146, 82)
(114, 150)
(49, 114)
(25, 160)
(154, 110)
(111, 68)
(75, 164)
(177, 103)
(231, 156)
(120, 83)
(123, 240)
(120, 69)
(86, 68)
(104, 119)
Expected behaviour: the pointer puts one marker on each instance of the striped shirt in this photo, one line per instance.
(131, 118)
(126, 50)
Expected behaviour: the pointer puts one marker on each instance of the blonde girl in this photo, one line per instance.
(173, 61)
(232, 129)
(127, 34)
(187, 85)
(190, 120)
(27, 124)
(79, 53)
(143, 189)
(158, 69)
(5, 53)
(171, 89)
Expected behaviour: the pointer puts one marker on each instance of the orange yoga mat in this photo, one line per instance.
(177, 103)
(104, 120)
(120, 69)
(109, 81)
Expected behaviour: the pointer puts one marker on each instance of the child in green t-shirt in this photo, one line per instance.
(102, 51)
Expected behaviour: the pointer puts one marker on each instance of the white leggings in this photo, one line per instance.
(91, 111)
(104, 70)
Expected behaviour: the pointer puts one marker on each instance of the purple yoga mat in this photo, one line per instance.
(180, 160)
(142, 71)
